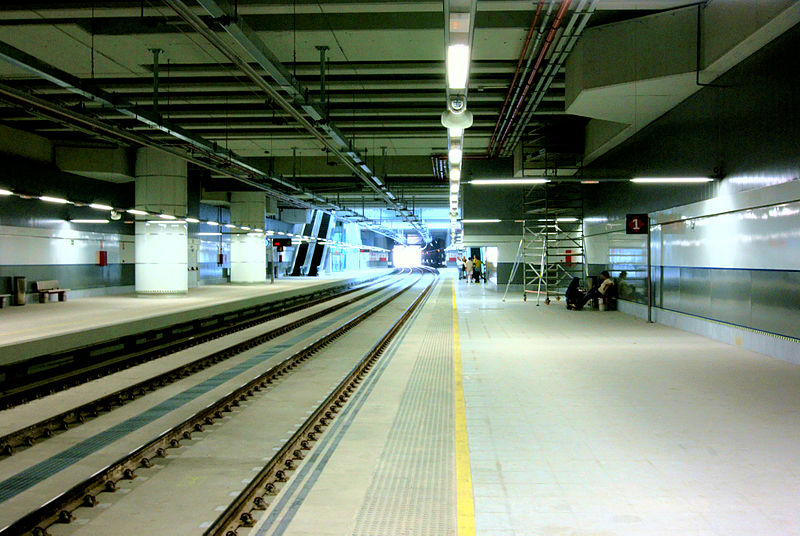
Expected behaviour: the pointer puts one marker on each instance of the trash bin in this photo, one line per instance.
(20, 294)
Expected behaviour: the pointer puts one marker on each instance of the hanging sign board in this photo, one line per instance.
(636, 224)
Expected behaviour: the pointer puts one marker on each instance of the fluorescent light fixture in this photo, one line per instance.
(272, 232)
(377, 181)
(590, 182)
(567, 219)
(671, 180)
(136, 212)
(454, 197)
(455, 132)
(453, 188)
(257, 230)
(455, 174)
(230, 226)
(481, 221)
(457, 66)
(245, 228)
(98, 206)
(390, 195)
(365, 168)
(192, 220)
(212, 223)
(5, 192)
(505, 182)
(54, 200)
(166, 216)
(455, 155)
(209, 234)
(88, 221)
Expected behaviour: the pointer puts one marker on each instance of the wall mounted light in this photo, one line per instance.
(53, 199)
(671, 180)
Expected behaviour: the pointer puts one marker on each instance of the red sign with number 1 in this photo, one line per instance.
(636, 224)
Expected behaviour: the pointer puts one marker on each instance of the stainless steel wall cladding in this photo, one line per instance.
(767, 300)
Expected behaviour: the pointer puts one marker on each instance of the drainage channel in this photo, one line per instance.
(47, 428)
(60, 508)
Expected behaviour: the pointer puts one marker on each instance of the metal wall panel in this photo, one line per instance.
(671, 288)
(776, 302)
(695, 290)
(730, 296)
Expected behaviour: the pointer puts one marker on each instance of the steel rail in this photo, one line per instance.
(73, 417)
(70, 367)
(256, 494)
(84, 494)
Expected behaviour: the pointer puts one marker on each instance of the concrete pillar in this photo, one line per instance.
(248, 250)
(161, 245)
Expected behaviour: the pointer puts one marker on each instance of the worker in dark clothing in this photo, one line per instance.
(574, 295)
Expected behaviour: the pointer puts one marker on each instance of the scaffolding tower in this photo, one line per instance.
(552, 245)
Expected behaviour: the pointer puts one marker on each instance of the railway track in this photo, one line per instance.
(46, 374)
(76, 416)
(240, 512)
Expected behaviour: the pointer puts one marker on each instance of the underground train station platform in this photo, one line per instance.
(494, 417)
(569, 422)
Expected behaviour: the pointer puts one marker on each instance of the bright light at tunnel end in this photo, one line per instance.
(407, 256)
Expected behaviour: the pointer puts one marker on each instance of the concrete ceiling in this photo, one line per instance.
(385, 81)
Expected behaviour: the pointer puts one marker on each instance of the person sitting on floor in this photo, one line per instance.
(574, 295)
(602, 291)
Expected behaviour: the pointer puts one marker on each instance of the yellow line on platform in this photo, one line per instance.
(465, 508)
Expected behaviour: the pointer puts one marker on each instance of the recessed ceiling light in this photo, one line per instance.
(457, 66)
(505, 182)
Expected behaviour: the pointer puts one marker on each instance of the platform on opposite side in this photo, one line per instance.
(37, 329)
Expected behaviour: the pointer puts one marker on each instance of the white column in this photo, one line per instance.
(248, 250)
(161, 246)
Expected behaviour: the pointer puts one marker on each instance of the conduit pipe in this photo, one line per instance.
(522, 56)
(54, 112)
(545, 46)
(249, 41)
(562, 50)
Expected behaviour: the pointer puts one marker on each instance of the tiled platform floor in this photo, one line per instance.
(596, 423)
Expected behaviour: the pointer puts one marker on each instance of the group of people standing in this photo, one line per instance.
(470, 269)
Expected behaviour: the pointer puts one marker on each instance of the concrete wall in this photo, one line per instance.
(724, 252)
(496, 202)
